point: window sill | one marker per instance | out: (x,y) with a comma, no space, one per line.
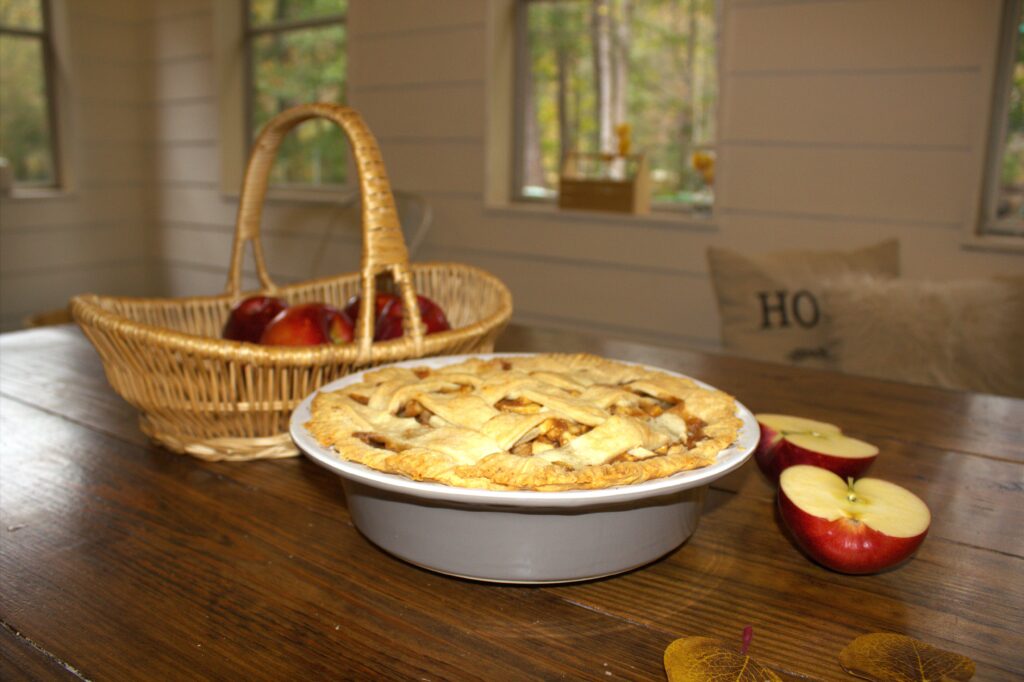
(663,218)
(36,194)
(992,242)
(342,195)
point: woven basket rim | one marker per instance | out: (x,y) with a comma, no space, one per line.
(89,306)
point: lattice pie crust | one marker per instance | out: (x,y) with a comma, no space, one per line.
(541,422)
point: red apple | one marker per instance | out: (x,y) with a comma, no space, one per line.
(308,324)
(851,526)
(389,324)
(250,316)
(787,441)
(382,299)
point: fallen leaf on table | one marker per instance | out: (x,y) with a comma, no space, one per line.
(884,656)
(702,659)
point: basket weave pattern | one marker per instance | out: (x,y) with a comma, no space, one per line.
(226,400)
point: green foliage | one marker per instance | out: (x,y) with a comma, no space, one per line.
(27,14)
(25,136)
(671,91)
(1011,180)
(294,67)
(262,12)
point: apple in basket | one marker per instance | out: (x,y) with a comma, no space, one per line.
(389,324)
(786,441)
(851,526)
(250,316)
(308,324)
(352,307)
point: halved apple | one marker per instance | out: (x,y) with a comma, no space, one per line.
(787,441)
(851,526)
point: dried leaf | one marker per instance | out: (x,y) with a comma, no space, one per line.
(702,659)
(888,657)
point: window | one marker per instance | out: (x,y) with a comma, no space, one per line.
(28,140)
(1003,212)
(295,54)
(586,67)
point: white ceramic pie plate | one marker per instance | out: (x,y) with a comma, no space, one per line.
(522,536)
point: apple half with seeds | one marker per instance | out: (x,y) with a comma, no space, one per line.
(855,527)
(787,441)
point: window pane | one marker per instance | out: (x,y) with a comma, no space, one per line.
(25,139)
(21,14)
(298,67)
(269,12)
(594,64)
(1011,182)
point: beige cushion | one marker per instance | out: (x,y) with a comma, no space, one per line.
(769,304)
(965,334)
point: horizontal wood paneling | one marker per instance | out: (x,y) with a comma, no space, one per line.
(184,79)
(661,303)
(195,205)
(115,12)
(107,39)
(45,290)
(185,279)
(861,35)
(892,185)
(111,83)
(183,36)
(887,109)
(27,252)
(112,123)
(188,163)
(92,205)
(190,121)
(442,111)
(452,55)
(435,166)
(926,251)
(118,163)
(369,19)
(463,223)
(163,9)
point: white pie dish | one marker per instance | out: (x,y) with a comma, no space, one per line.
(522,536)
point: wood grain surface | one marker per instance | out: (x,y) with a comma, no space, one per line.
(121,560)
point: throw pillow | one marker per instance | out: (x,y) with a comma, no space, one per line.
(770,305)
(963,334)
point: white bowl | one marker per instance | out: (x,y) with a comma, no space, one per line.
(522,536)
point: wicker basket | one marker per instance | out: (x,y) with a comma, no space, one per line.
(227,400)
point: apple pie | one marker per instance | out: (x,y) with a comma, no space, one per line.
(537,422)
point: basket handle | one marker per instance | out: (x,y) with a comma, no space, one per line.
(383,245)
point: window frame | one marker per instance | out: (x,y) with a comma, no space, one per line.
(989,227)
(45,35)
(232,60)
(518,121)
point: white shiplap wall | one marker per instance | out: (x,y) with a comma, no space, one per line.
(843,122)
(94,236)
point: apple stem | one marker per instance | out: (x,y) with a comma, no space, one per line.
(748,636)
(851,496)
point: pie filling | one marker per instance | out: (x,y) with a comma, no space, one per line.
(545,422)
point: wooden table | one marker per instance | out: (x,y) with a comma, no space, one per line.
(124,561)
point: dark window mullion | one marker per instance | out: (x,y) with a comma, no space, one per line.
(26,32)
(49,59)
(332,20)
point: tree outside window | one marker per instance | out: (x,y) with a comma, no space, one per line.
(1004,210)
(588,66)
(296,55)
(27,138)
